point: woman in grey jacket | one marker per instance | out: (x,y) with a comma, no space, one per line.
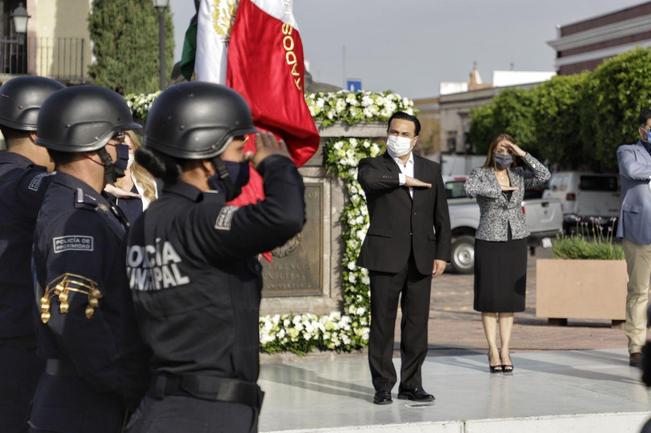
(501,240)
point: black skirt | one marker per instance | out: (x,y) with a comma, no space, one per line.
(500,276)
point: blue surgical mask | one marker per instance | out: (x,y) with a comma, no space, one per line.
(503,161)
(648,136)
(230,183)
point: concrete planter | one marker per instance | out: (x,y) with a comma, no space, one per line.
(581,289)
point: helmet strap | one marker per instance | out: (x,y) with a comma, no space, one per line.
(224,177)
(110,173)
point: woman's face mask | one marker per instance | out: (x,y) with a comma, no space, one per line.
(503,160)
(230,178)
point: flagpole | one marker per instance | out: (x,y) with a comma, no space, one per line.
(343,65)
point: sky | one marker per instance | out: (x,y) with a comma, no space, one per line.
(410,46)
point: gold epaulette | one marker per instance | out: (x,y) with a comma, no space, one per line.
(61,287)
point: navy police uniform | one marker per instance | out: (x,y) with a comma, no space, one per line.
(196,286)
(22,183)
(96,362)
(21,192)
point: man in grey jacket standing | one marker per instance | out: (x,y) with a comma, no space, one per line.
(635,228)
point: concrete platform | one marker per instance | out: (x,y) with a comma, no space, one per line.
(555,391)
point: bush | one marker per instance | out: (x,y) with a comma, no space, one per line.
(125,44)
(590,243)
(576,120)
(556,106)
(613,96)
(511,112)
(580,248)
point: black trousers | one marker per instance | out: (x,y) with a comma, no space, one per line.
(413,289)
(180,414)
(68,404)
(20,370)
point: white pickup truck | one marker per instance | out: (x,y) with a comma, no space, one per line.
(544,220)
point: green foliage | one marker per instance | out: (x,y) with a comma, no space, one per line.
(125,38)
(557,103)
(580,248)
(572,120)
(613,96)
(591,242)
(511,112)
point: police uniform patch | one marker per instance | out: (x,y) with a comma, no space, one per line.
(73,243)
(36,181)
(225,218)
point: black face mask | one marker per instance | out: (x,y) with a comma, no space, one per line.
(123,159)
(113,170)
(230,178)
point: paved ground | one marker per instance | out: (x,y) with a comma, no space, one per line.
(568,387)
(455,325)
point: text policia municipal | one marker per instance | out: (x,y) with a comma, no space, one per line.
(154,267)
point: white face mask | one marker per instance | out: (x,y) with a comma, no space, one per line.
(398,146)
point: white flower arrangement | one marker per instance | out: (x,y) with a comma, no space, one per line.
(349,329)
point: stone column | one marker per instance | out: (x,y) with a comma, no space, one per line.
(305,275)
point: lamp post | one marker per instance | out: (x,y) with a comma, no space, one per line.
(160,6)
(20,17)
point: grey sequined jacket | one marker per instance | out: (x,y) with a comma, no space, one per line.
(497,213)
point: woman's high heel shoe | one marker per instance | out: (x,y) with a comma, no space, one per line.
(494,368)
(507,368)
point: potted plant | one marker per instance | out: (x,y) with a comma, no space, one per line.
(586,279)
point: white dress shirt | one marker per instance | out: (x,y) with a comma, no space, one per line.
(406,169)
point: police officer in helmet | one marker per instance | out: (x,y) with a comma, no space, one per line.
(96,363)
(23,172)
(191,259)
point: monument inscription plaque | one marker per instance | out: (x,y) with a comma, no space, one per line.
(297,267)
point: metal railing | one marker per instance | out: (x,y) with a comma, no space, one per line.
(60,58)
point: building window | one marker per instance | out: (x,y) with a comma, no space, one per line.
(451,141)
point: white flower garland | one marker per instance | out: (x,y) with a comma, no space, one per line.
(347,330)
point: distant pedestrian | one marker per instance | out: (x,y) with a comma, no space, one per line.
(501,240)
(635,228)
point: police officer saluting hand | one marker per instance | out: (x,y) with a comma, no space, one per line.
(192,264)
(22,173)
(96,363)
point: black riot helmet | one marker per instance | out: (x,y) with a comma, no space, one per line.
(196,120)
(82,119)
(21,98)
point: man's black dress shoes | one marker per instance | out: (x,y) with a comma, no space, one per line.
(417,394)
(382,397)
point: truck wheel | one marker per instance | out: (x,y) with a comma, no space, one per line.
(463,254)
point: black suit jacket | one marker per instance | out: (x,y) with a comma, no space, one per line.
(394,215)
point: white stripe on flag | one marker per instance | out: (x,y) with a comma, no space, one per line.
(214,24)
(279,9)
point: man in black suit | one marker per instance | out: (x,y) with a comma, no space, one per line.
(407,243)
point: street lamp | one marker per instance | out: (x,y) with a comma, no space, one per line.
(161,5)
(20,17)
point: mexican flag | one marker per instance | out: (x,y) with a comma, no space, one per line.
(254,47)
(266,66)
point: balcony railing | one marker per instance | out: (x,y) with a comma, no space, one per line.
(64,59)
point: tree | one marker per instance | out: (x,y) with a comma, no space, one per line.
(611,101)
(510,112)
(125,38)
(556,111)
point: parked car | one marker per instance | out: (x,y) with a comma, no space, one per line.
(543,217)
(585,196)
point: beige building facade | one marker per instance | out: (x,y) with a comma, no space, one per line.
(57,42)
